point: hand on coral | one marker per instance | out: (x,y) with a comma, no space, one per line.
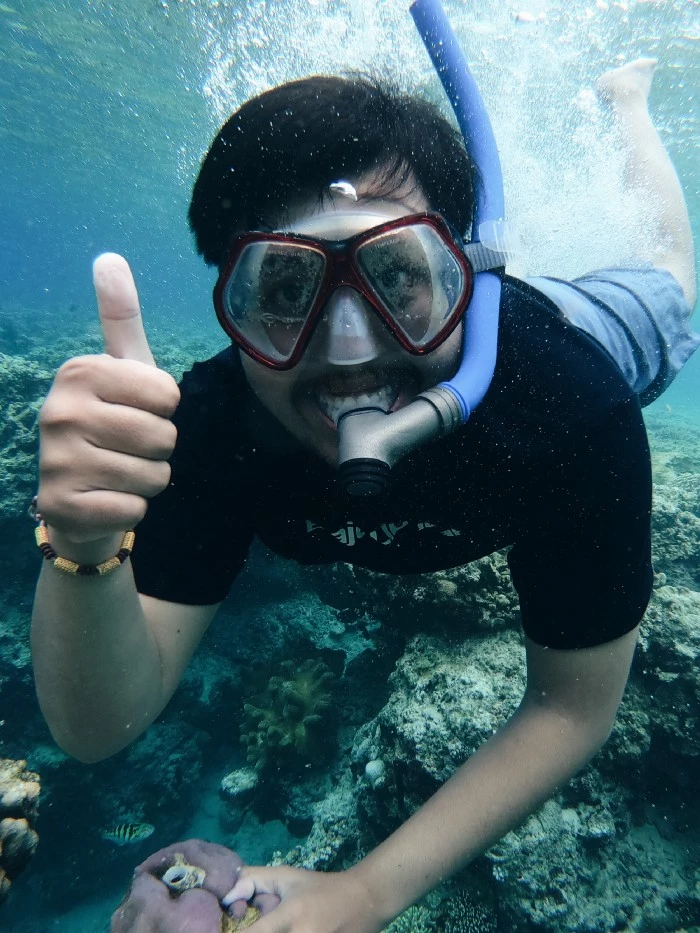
(151,907)
(311,902)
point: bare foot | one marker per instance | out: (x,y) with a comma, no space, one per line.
(627,84)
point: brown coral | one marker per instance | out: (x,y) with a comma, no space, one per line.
(19,799)
(288,717)
(229,925)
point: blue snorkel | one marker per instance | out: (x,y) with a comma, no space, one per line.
(370,440)
(479,345)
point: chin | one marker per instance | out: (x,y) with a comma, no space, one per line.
(323,445)
(316,432)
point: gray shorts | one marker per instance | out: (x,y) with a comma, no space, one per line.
(638,315)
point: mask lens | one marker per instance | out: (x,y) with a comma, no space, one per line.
(415,277)
(270,293)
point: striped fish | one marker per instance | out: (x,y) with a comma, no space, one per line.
(124,833)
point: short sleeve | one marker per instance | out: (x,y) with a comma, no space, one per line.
(582,567)
(196,533)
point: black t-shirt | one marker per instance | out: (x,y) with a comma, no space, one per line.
(554,462)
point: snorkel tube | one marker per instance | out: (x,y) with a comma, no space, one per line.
(371,441)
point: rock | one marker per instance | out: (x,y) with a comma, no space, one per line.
(239,785)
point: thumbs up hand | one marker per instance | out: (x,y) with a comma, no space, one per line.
(105,427)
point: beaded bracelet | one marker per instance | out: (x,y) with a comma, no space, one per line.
(41,533)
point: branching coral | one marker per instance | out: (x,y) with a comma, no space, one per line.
(413,920)
(287,718)
(465,915)
(460,913)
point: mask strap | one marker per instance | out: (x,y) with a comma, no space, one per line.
(498,245)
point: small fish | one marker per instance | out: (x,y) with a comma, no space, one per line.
(345,188)
(125,833)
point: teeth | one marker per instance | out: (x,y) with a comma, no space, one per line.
(334,406)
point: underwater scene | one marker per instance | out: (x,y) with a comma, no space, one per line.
(328,702)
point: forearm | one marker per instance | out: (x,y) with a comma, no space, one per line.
(508,778)
(96,665)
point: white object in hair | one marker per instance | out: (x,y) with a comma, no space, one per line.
(344,188)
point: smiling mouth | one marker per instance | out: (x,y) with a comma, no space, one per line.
(334,405)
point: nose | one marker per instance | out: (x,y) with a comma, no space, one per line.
(347,329)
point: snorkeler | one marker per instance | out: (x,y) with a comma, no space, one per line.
(336,212)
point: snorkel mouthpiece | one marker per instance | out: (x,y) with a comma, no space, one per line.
(372,441)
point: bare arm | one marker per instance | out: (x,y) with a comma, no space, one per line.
(650,169)
(566,715)
(106,660)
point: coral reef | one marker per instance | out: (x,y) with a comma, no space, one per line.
(414,920)
(23,385)
(667,664)
(15,659)
(169,757)
(476,598)
(613,822)
(446,701)
(616,849)
(19,809)
(286,720)
(447,910)
(676,514)
(155,780)
(337,838)
(465,914)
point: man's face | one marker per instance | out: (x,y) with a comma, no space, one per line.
(330,378)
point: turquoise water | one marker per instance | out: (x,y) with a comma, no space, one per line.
(107,109)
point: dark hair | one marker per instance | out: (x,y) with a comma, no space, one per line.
(292,141)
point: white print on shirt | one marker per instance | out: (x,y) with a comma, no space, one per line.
(350,533)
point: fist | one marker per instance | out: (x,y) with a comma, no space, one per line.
(105,428)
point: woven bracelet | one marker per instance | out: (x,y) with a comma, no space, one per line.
(41,533)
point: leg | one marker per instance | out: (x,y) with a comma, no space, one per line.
(649,167)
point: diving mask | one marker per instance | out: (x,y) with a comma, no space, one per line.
(411,272)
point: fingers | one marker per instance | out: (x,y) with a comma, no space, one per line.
(123,429)
(123,382)
(266,885)
(110,493)
(120,313)
(243,890)
(271,880)
(106,437)
(105,429)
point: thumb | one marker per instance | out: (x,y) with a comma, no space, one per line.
(120,314)
(263,886)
